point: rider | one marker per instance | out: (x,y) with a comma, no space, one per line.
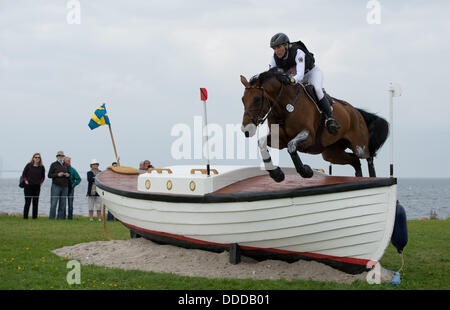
(295,59)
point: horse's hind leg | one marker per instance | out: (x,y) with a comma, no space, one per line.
(275,172)
(371,167)
(336,154)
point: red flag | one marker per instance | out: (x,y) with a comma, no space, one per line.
(203,94)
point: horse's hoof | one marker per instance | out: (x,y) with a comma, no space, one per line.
(307,172)
(277,175)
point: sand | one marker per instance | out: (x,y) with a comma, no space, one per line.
(145,255)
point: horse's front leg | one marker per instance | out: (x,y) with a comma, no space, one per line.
(274,171)
(298,142)
(371,167)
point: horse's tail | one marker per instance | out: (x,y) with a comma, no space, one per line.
(378,131)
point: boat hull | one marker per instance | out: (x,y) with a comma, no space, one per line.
(347,226)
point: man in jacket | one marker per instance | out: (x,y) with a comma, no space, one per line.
(74,180)
(59,174)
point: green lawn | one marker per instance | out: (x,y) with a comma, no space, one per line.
(26,261)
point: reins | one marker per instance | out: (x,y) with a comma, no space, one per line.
(272,103)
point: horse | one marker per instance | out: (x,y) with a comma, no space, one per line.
(301,129)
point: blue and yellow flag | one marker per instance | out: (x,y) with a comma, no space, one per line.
(99,118)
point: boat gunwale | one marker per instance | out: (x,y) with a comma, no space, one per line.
(251,196)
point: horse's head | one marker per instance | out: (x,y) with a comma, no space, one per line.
(258,99)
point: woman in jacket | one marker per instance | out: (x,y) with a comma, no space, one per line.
(33,175)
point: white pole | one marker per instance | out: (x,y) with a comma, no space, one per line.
(205,130)
(395,90)
(391,131)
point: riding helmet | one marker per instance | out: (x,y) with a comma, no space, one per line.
(278,39)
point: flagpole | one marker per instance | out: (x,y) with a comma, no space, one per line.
(204,97)
(100,118)
(395,90)
(207,144)
(391,129)
(114,145)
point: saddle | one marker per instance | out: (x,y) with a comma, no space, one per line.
(311,93)
(309,89)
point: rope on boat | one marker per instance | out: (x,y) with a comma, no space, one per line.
(403,263)
(396,275)
(104,223)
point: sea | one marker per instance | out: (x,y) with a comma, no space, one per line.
(421,198)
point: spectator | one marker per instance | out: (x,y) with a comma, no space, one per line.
(59,174)
(74,180)
(33,175)
(94,200)
(141,166)
(110,217)
(147,164)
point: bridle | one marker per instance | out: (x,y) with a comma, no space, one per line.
(259,118)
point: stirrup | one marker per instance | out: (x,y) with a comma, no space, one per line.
(332,125)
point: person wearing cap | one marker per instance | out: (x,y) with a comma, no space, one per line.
(60,175)
(94,200)
(295,59)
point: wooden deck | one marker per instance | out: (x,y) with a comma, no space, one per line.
(255,184)
(124,182)
(265,183)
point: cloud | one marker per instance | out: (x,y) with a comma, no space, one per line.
(147,60)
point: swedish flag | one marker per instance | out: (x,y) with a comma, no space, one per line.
(99,118)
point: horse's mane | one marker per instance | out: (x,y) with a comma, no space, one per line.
(263,77)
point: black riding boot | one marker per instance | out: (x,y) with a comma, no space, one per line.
(331,124)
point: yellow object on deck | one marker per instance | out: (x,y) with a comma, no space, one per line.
(124,170)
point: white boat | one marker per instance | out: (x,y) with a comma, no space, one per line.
(345,222)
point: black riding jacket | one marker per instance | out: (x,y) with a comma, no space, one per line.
(288,62)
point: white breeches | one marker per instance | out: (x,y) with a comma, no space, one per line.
(315,77)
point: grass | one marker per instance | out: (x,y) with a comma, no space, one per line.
(26,261)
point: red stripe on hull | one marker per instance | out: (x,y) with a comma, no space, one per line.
(349,260)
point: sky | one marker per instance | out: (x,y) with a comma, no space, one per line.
(146,60)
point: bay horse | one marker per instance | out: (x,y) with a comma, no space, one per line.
(301,128)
